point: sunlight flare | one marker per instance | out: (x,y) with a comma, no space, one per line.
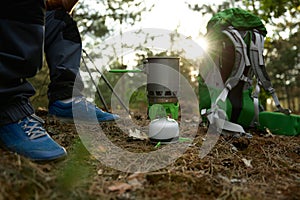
(202,42)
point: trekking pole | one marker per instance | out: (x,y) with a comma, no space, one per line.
(107,83)
(93,81)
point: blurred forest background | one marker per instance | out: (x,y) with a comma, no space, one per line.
(98,20)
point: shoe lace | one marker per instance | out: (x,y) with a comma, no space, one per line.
(32,126)
(85,101)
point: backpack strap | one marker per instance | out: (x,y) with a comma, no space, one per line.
(241,60)
(258,66)
(216,115)
(255,96)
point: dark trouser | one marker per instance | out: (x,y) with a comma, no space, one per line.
(21,52)
(63,53)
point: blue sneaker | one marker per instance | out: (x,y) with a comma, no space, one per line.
(28,138)
(85,111)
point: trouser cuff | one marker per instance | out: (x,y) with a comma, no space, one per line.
(15,112)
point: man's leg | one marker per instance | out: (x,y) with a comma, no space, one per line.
(63,50)
(21,50)
(63,54)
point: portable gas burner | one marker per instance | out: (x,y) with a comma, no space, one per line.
(163,84)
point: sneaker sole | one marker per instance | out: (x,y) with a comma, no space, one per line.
(71,121)
(53,159)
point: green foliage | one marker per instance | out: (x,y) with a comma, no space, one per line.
(139,99)
(75,171)
(211,9)
(268,9)
(99,18)
(40,83)
(104,89)
(283,63)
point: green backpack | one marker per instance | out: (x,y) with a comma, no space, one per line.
(237,42)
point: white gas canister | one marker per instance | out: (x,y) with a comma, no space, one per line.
(164,130)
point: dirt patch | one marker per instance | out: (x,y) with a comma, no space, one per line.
(263,167)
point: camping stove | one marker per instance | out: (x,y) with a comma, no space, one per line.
(163,84)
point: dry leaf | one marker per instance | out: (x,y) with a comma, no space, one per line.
(247,162)
(137,134)
(120,187)
(135,183)
(136,180)
(100,172)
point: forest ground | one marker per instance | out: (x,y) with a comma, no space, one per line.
(263,167)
